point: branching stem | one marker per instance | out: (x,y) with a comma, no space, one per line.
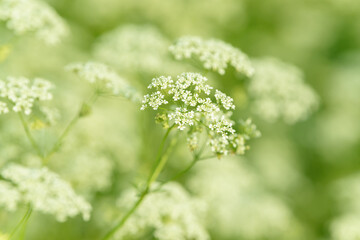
(159,166)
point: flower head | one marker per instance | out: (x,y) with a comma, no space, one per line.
(45,191)
(103,78)
(214,54)
(187,103)
(279,91)
(23,16)
(21,94)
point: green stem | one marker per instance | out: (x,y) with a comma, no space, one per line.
(184,171)
(23,229)
(197,158)
(29,136)
(66,131)
(58,143)
(24,219)
(160,163)
(46,158)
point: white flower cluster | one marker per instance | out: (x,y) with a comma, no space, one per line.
(103,78)
(249,129)
(133,48)
(10,196)
(279,91)
(23,16)
(239,206)
(46,192)
(189,106)
(215,55)
(20,94)
(171,212)
(347,225)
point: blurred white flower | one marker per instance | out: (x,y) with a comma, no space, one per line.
(3,108)
(338,126)
(22,94)
(134,48)
(214,54)
(23,16)
(279,92)
(10,196)
(87,164)
(46,192)
(170,211)
(239,206)
(346,227)
(103,78)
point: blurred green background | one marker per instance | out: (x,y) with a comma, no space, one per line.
(310,169)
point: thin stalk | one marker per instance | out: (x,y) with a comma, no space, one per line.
(183,172)
(29,136)
(66,131)
(23,219)
(197,158)
(160,163)
(45,159)
(59,141)
(23,229)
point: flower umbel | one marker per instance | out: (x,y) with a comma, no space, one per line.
(279,91)
(20,95)
(23,16)
(188,103)
(214,54)
(103,78)
(45,191)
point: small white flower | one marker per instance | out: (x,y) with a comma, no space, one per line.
(226,101)
(155,100)
(182,118)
